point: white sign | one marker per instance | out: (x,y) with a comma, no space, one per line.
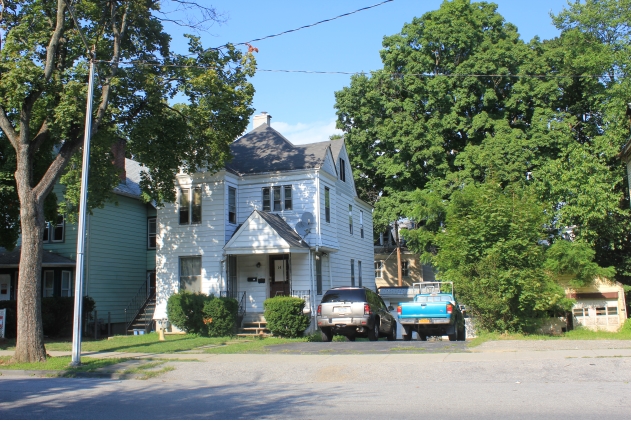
(3,318)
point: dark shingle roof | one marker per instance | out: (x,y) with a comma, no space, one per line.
(131,186)
(49,259)
(283,229)
(265,150)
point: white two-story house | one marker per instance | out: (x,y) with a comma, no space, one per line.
(279,219)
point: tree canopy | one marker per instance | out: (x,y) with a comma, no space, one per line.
(44,62)
(466,118)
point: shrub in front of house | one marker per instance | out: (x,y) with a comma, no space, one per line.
(285,316)
(186,312)
(57,315)
(220,315)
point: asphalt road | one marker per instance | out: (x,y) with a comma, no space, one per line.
(508,381)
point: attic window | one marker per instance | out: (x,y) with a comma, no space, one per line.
(342,170)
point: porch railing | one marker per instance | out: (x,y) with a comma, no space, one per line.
(305,294)
(237,295)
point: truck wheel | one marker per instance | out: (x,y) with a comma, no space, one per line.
(453,336)
(373,334)
(462,336)
(422,337)
(392,336)
(326,334)
(407,333)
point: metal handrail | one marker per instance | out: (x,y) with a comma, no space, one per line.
(237,295)
(136,304)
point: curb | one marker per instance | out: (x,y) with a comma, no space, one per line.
(66,374)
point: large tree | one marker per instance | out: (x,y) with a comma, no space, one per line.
(44,60)
(462,104)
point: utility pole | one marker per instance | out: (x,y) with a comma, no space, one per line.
(78,287)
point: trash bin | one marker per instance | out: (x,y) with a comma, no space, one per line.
(139,332)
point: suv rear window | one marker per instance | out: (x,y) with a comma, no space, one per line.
(342,295)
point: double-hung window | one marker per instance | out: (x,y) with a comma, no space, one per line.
(352,272)
(350,218)
(54,232)
(378,268)
(151,233)
(66,283)
(191,273)
(277,198)
(405,268)
(49,283)
(232,205)
(342,170)
(361,223)
(327,205)
(191,206)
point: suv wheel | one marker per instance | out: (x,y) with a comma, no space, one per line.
(392,336)
(327,335)
(373,334)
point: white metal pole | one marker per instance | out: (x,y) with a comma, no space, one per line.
(78,289)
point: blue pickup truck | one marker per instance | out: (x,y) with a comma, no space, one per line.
(434,312)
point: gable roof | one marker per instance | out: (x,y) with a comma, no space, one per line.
(11,259)
(265,150)
(264,232)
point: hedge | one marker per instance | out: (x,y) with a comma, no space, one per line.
(202,314)
(285,316)
(57,315)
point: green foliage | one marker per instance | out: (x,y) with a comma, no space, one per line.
(285,316)
(57,315)
(220,315)
(574,262)
(186,312)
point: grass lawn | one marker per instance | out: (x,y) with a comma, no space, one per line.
(576,334)
(61,364)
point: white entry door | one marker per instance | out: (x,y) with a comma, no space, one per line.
(279,271)
(5,287)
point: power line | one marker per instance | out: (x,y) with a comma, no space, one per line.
(306,26)
(324,72)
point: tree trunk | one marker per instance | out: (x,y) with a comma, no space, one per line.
(29,345)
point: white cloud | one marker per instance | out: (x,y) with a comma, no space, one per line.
(301,133)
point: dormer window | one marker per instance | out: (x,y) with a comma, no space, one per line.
(342,170)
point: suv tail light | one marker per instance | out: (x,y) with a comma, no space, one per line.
(399,310)
(450,308)
(320,310)
(366,309)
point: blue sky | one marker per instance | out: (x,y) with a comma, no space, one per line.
(302,105)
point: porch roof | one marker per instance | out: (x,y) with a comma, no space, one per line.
(11,259)
(264,233)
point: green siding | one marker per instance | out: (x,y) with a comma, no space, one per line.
(117,258)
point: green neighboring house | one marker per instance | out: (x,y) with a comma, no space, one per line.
(120,255)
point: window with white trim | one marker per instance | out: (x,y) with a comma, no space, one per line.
(277,198)
(405,268)
(350,218)
(352,272)
(49,283)
(151,233)
(191,273)
(327,205)
(232,205)
(66,283)
(54,232)
(378,268)
(342,170)
(190,206)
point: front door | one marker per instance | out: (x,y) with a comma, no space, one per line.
(280,277)
(5,287)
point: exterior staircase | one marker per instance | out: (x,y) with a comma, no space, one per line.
(253,325)
(144,320)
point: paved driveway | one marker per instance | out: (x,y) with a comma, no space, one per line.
(367,347)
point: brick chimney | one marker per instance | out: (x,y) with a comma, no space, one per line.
(263,118)
(118,153)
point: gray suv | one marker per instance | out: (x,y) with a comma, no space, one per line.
(355,312)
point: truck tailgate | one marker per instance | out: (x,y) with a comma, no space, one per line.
(424,310)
